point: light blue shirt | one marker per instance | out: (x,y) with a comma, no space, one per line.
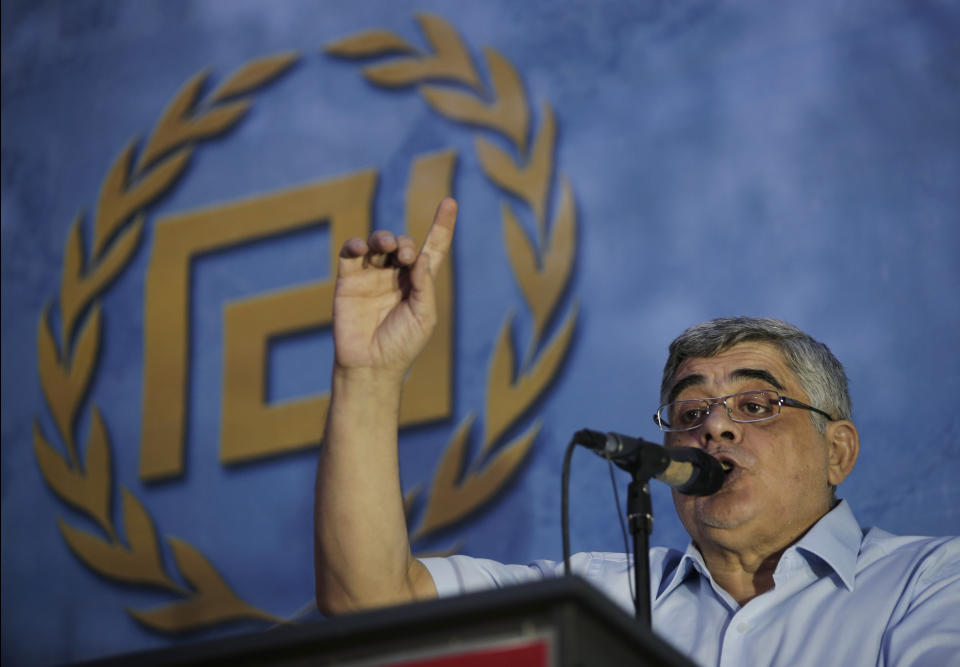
(841,596)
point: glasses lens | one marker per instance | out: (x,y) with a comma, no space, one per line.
(754,406)
(683,415)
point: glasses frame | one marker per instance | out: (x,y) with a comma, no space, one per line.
(722,400)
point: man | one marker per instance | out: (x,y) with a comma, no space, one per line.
(777,572)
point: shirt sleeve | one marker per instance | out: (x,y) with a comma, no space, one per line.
(929,632)
(609,572)
(463,574)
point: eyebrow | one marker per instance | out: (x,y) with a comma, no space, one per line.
(683,383)
(739,374)
(757,374)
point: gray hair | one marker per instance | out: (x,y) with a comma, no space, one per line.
(819,373)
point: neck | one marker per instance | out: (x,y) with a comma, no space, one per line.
(745,569)
(744,575)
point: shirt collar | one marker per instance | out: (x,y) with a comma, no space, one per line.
(691,561)
(834,539)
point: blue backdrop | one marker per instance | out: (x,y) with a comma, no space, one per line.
(792,160)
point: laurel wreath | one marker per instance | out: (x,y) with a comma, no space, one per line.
(81,475)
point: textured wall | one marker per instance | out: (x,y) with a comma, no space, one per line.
(794,160)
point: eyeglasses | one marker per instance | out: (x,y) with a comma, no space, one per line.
(744,407)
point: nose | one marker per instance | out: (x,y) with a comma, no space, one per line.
(718,426)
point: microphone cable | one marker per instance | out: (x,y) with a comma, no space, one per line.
(565,505)
(623,530)
(565,511)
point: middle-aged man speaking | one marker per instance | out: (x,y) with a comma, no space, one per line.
(778,571)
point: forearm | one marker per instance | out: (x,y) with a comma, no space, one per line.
(362,550)
(384,309)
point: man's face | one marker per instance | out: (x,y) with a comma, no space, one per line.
(779,483)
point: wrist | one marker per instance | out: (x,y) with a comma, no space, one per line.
(371,383)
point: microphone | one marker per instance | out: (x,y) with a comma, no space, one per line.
(689,470)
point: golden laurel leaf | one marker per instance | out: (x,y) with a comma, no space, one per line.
(530,182)
(507,113)
(119,200)
(64,384)
(213,603)
(508,396)
(177,126)
(253,75)
(542,269)
(170,123)
(97,471)
(72,484)
(78,289)
(450,500)
(66,370)
(451,60)
(111,559)
(142,536)
(542,286)
(139,564)
(368,44)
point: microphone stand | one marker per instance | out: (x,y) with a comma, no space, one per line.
(642,469)
(640,518)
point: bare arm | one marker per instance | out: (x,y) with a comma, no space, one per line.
(383,314)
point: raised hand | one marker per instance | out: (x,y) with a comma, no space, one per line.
(384,306)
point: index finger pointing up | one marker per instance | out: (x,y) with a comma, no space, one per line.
(440,234)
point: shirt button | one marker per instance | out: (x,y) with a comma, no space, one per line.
(742,627)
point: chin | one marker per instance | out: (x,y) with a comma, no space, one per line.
(721,511)
(720,520)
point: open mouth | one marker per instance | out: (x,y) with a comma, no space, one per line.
(728,465)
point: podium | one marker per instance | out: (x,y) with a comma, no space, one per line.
(557,623)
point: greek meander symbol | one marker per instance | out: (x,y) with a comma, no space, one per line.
(542,267)
(250,427)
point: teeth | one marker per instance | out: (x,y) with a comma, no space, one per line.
(726,466)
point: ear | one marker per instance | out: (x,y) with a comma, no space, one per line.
(844,447)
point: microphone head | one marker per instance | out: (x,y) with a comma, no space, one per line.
(707,477)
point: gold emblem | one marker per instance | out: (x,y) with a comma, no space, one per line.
(252,429)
